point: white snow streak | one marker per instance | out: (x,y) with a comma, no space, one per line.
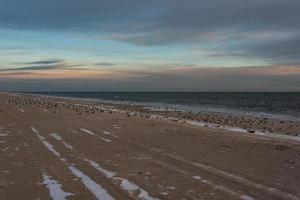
(58,137)
(55,189)
(92,186)
(88,131)
(126,185)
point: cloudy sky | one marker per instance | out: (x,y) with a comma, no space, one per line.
(150,45)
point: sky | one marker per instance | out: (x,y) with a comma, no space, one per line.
(150,45)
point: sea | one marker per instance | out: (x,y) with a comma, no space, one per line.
(275,105)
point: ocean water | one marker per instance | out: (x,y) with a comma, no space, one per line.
(264,104)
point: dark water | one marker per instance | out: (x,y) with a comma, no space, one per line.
(270,104)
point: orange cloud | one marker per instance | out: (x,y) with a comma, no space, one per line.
(124,74)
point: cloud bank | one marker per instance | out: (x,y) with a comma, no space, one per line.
(180,79)
(267,29)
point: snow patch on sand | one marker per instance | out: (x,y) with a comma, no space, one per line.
(5,149)
(245,197)
(91,133)
(197,177)
(105,172)
(110,134)
(58,137)
(88,131)
(47,144)
(99,192)
(210,183)
(50,148)
(105,139)
(35,131)
(92,186)
(126,185)
(25,144)
(130,187)
(106,132)
(116,126)
(55,189)
(245,131)
(73,131)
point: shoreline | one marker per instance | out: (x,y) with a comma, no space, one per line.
(259,126)
(203,109)
(130,153)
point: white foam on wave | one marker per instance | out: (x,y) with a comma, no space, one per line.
(55,189)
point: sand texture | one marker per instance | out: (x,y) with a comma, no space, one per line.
(67,149)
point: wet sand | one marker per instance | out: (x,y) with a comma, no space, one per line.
(69,149)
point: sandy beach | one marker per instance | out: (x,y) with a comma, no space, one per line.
(54,148)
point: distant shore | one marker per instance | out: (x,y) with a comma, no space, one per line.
(271,105)
(91,150)
(240,123)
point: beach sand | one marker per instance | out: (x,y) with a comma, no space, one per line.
(54,148)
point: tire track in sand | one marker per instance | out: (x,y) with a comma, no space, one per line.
(246,183)
(96,189)
(132,189)
(184,171)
